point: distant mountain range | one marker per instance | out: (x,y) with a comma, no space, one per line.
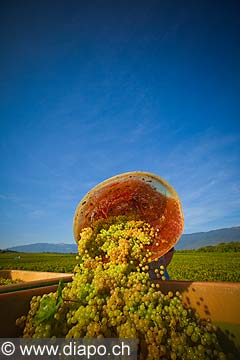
(213,237)
(187,242)
(45,247)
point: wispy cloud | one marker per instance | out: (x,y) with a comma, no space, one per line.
(206,176)
(9,197)
(37,214)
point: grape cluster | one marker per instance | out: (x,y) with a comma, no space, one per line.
(4,281)
(111,295)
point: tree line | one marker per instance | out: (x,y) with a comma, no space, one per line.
(233,246)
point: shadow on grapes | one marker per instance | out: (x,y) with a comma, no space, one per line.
(228,340)
(211,301)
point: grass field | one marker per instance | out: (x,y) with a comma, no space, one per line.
(197,266)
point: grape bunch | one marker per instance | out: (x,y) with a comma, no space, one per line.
(112,296)
(4,281)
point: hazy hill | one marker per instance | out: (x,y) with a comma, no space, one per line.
(46,247)
(213,237)
(187,242)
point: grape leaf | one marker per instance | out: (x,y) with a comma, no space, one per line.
(49,306)
(59,292)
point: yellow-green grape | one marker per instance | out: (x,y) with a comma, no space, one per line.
(116,298)
(4,281)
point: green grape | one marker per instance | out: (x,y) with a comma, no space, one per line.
(116,298)
(4,281)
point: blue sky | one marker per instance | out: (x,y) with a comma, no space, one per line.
(91,89)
